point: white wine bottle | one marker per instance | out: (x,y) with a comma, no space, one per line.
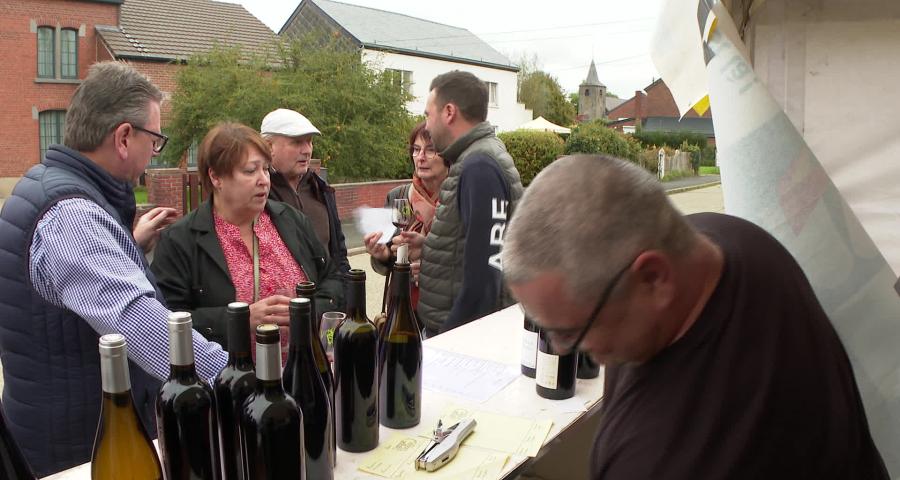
(122,449)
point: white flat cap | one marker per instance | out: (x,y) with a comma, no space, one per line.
(288,123)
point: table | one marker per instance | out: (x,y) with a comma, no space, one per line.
(496,337)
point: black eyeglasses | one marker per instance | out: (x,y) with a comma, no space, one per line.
(159,143)
(560,343)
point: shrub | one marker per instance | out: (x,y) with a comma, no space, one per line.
(595,138)
(532,150)
(694,150)
(708,156)
(670,139)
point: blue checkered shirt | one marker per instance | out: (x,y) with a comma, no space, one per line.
(83,260)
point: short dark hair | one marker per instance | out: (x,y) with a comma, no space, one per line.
(223,149)
(465,91)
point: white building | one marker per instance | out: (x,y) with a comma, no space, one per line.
(416,50)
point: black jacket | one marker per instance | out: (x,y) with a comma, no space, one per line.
(337,247)
(193,275)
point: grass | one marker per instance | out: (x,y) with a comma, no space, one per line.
(140,195)
(676,175)
(709,170)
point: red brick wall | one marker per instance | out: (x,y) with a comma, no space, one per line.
(350,196)
(165,188)
(19,93)
(164,76)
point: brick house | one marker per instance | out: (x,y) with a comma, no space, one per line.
(654,109)
(56,41)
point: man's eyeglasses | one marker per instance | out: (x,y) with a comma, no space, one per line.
(159,142)
(561,339)
(430,152)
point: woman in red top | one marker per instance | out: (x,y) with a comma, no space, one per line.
(238,245)
(429,171)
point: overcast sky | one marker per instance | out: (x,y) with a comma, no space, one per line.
(564,34)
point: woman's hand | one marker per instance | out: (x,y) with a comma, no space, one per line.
(146,231)
(272,309)
(415,240)
(378,251)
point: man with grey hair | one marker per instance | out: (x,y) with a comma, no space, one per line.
(71,270)
(720,361)
(290,134)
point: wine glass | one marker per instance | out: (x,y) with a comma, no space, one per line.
(401,213)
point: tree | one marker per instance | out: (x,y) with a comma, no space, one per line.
(573,99)
(361,114)
(542,93)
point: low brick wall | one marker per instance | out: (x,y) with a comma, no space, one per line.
(165,188)
(350,196)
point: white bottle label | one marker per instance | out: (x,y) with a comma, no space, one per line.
(529,348)
(547,370)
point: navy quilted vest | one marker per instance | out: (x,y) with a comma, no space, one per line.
(51,366)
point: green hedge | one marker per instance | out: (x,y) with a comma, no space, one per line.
(532,150)
(595,138)
(669,139)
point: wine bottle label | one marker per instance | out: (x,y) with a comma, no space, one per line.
(529,348)
(547,370)
(268,361)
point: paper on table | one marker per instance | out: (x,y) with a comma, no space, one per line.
(472,378)
(518,435)
(395,458)
(370,220)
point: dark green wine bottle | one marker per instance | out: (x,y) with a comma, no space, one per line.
(356,379)
(400,355)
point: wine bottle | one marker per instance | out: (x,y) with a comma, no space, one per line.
(308,290)
(355,378)
(309,392)
(554,374)
(529,347)
(587,368)
(400,354)
(12,462)
(233,385)
(271,422)
(185,414)
(122,449)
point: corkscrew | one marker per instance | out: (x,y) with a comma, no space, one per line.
(444,445)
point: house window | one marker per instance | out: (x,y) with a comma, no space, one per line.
(57,53)
(52,127)
(46,52)
(401,79)
(587,93)
(192,156)
(492,93)
(68,58)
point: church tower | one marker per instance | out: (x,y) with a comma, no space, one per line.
(591,97)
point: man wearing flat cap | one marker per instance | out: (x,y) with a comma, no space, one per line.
(290,135)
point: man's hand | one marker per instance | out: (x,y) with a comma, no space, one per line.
(378,251)
(146,232)
(415,240)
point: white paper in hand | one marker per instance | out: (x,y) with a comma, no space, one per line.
(370,220)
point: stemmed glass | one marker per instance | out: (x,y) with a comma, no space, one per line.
(401,213)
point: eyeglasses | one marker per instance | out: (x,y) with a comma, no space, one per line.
(561,340)
(159,143)
(430,152)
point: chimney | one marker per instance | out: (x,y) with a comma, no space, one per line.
(638,109)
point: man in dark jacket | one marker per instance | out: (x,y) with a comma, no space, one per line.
(290,135)
(460,278)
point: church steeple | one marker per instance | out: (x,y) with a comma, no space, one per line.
(591,97)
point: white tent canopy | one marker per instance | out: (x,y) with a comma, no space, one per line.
(543,125)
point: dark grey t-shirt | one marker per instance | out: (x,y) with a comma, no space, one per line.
(760,387)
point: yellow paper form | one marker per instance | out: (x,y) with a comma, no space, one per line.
(396,458)
(518,435)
